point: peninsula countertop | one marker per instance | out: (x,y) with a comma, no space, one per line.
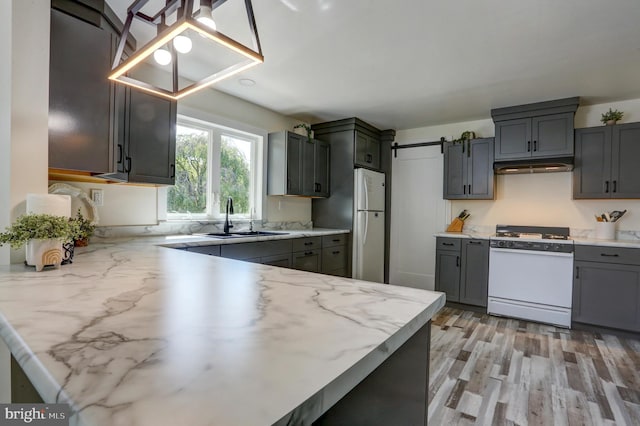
(139,334)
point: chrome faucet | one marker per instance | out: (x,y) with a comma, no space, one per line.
(227,223)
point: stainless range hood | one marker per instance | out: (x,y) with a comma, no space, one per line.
(537,165)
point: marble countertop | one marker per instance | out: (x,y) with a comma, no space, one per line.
(134,333)
(610,243)
(473,235)
(181,241)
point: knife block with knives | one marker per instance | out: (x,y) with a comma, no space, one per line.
(458,222)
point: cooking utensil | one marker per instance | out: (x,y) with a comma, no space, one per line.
(606,215)
(604,218)
(598,218)
(621,214)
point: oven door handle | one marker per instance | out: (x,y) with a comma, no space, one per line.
(530,252)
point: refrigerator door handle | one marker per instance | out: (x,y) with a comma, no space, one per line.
(366,228)
(366,193)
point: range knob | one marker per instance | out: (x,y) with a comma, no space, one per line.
(547,247)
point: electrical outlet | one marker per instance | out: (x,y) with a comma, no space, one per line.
(97,195)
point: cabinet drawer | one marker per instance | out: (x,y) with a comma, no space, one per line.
(309,243)
(308,260)
(334,240)
(621,255)
(258,249)
(333,258)
(443,243)
(281,260)
(210,250)
(340,272)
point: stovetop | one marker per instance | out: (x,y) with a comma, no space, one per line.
(535,238)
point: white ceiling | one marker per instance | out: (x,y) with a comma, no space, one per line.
(412,63)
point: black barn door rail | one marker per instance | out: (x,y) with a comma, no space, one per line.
(396,147)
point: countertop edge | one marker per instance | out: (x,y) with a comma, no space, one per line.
(462,235)
(199,240)
(323,400)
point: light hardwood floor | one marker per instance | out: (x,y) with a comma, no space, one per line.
(496,371)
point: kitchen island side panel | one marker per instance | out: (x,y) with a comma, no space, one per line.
(394,393)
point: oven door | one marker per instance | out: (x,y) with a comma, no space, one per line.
(536,277)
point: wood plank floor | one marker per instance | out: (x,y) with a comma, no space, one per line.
(488,370)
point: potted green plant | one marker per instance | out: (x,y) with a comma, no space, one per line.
(82,229)
(611,117)
(306,128)
(43,235)
(465,136)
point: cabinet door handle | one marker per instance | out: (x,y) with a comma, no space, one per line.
(336,252)
(308,253)
(127,169)
(535,146)
(615,185)
(606,186)
(464,189)
(369,158)
(477,243)
(308,243)
(337,240)
(448,244)
(458,261)
(577,272)
(119,153)
(528,146)
(469,192)
(609,255)
(173,171)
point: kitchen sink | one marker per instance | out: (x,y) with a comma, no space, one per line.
(241,234)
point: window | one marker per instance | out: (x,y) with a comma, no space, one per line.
(214,163)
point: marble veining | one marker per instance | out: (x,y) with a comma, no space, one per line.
(187,227)
(134,333)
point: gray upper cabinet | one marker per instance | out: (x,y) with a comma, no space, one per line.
(606,287)
(297,166)
(96,126)
(540,130)
(537,137)
(367,151)
(606,162)
(468,170)
(80,126)
(150,141)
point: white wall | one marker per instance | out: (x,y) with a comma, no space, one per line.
(545,199)
(24,108)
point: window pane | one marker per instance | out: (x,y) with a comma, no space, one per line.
(189,195)
(235,173)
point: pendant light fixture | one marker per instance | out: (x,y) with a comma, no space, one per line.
(207,47)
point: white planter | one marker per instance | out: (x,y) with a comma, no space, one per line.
(41,253)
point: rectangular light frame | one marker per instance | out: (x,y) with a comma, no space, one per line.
(183,23)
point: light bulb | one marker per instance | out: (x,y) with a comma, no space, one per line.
(182,44)
(206,18)
(162,56)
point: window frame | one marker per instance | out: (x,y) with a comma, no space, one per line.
(217,128)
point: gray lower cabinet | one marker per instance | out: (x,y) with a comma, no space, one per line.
(327,254)
(462,270)
(309,260)
(606,162)
(468,170)
(474,274)
(606,287)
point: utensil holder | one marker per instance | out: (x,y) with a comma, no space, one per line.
(605,231)
(456,225)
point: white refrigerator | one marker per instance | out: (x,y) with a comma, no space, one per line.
(368,226)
